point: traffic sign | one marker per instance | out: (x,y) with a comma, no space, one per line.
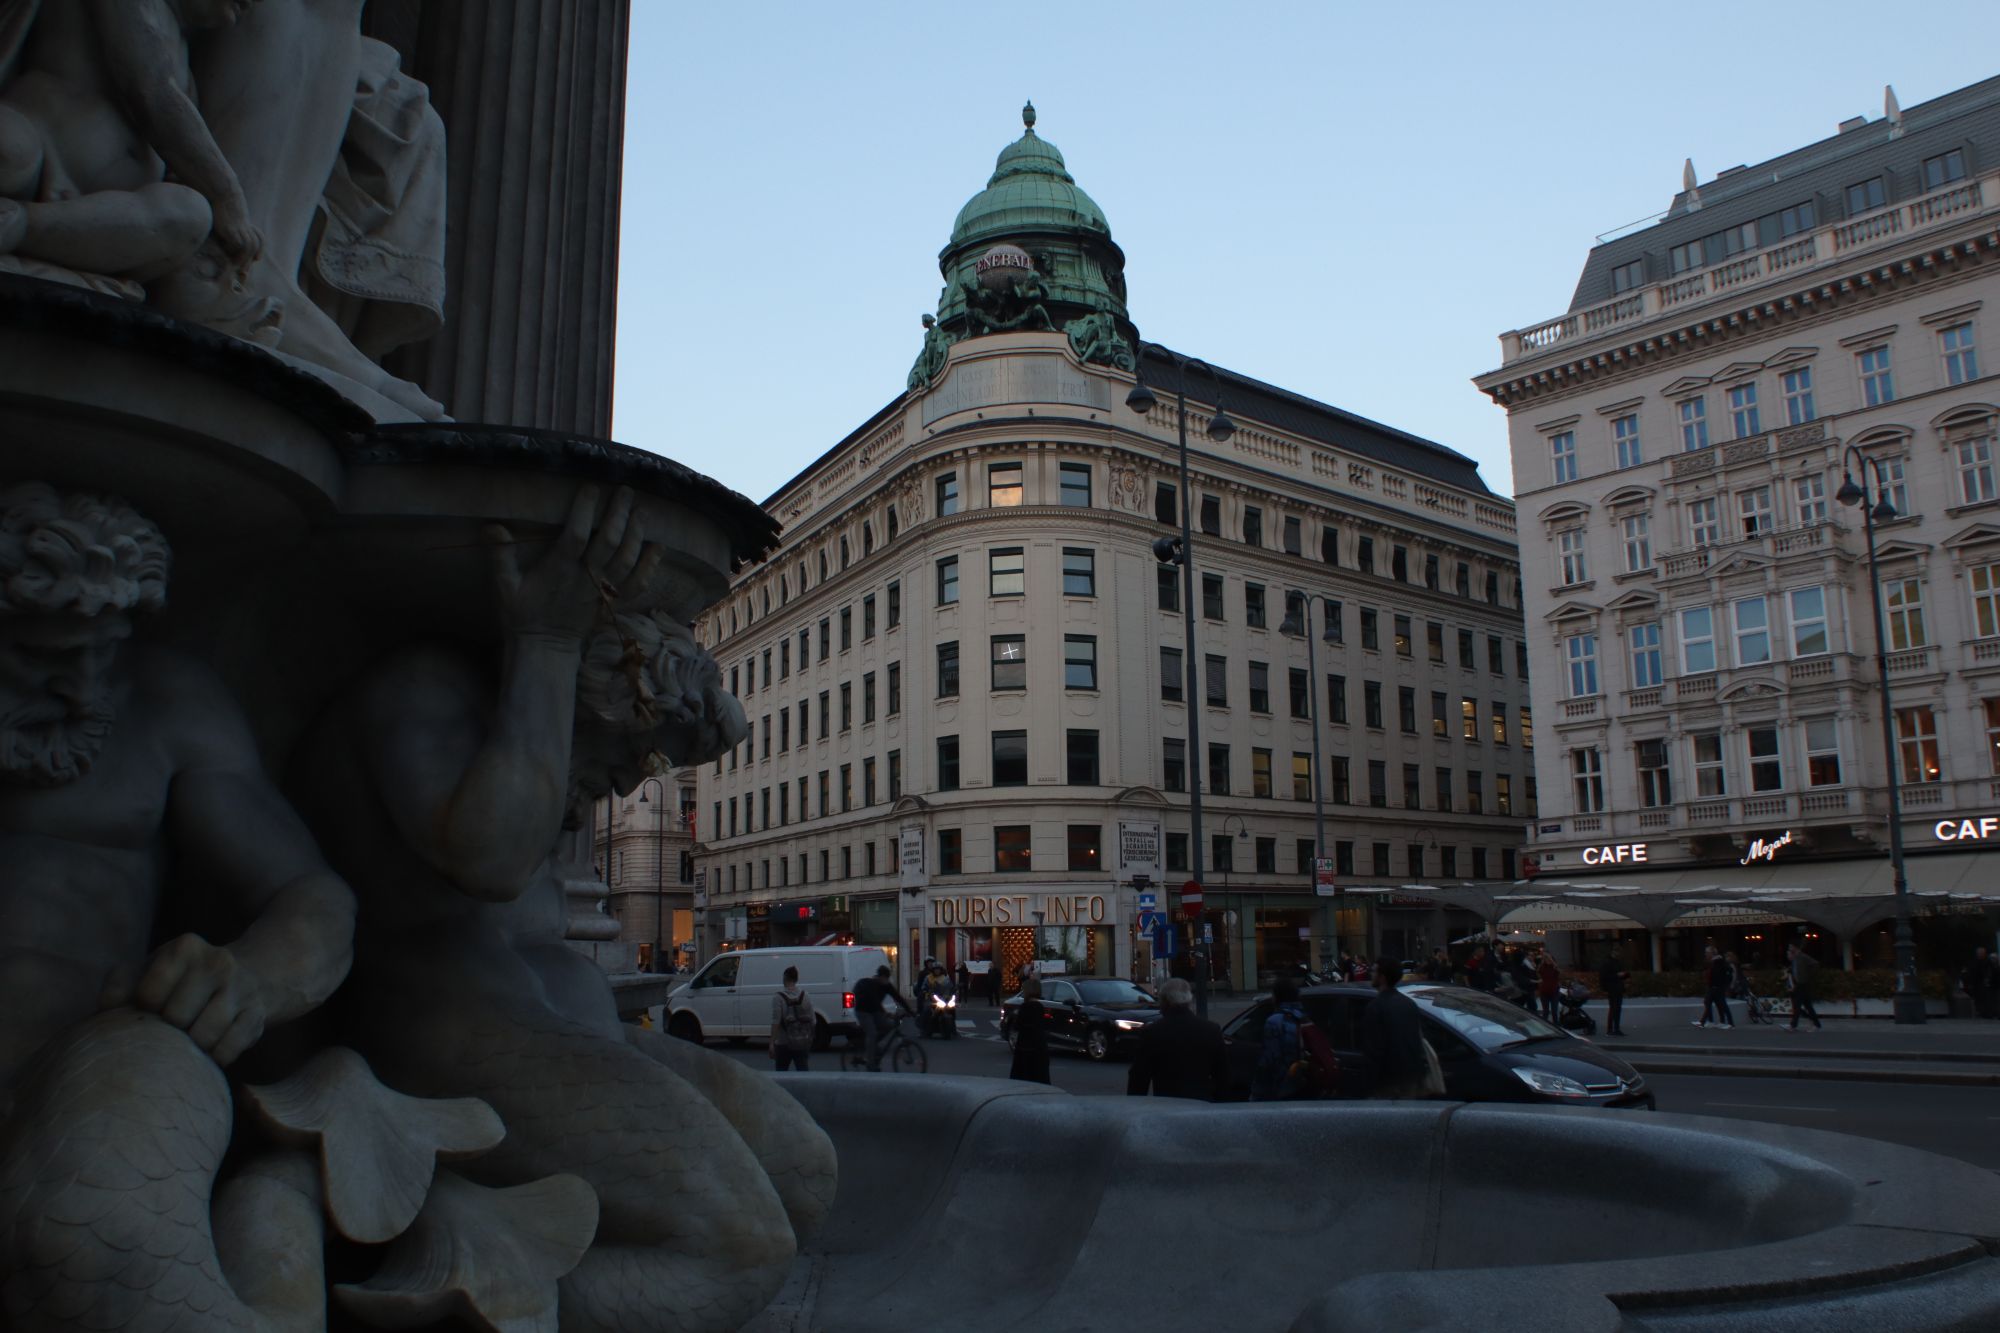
(1148,901)
(1191,899)
(1149,921)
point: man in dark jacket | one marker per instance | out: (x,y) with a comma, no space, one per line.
(1611,980)
(1482,971)
(1181,1055)
(1715,981)
(1798,974)
(1392,1036)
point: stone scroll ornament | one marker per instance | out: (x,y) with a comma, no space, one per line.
(252,165)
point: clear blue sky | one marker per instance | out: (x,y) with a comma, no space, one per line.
(1348,201)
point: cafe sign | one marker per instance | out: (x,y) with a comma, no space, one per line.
(1967,830)
(1020,909)
(1616,854)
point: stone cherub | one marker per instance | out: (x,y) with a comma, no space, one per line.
(106,165)
(443,784)
(122,765)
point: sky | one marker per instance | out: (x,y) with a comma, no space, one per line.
(1351,202)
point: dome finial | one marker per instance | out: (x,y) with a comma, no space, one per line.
(1028,116)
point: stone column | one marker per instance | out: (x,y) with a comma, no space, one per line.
(532,93)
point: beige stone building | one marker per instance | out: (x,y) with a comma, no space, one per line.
(964,672)
(1702,643)
(643,852)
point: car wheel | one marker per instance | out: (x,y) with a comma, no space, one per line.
(822,1034)
(685,1026)
(1097,1044)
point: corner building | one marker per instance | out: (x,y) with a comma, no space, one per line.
(963,667)
(1702,640)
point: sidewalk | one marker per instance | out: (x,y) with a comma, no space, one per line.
(1659,1038)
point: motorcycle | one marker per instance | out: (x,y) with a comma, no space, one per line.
(941,1017)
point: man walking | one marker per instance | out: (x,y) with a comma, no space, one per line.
(1715,977)
(1611,979)
(1392,1036)
(794,1024)
(1798,975)
(1982,983)
(1180,1055)
(1277,1078)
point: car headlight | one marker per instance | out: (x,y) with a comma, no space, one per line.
(1550,1085)
(1129,1024)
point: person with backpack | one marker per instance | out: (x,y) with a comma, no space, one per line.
(794,1024)
(1279,1076)
(1798,979)
(1180,1055)
(1392,1035)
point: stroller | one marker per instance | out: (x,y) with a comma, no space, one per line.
(1571,1015)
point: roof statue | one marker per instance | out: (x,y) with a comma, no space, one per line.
(1688,186)
(1893,110)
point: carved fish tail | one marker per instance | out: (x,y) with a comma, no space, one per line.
(106,1168)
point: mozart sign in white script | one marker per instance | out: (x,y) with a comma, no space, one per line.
(1961,830)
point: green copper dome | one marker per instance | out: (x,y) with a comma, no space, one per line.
(1030,190)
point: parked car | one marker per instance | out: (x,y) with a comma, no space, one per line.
(730,996)
(1490,1050)
(1100,1016)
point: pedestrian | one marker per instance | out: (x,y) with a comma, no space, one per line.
(1611,979)
(1526,983)
(1278,1057)
(1439,968)
(993,985)
(1392,1037)
(1715,985)
(794,1024)
(1548,984)
(870,994)
(1180,1055)
(1981,981)
(1482,970)
(964,978)
(1031,1034)
(1798,978)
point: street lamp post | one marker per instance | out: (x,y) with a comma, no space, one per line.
(659,865)
(1909,1001)
(1180,551)
(1298,620)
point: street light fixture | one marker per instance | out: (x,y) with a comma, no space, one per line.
(1909,1001)
(659,865)
(1298,620)
(1180,551)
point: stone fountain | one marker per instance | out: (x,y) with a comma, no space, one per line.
(304,690)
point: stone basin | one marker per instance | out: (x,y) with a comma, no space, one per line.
(978,1204)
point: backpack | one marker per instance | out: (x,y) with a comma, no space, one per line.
(797,1025)
(1318,1067)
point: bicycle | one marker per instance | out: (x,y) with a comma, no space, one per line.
(901,1053)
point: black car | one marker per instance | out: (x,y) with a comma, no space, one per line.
(1490,1050)
(1100,1016)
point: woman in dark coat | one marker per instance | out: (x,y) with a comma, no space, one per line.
(1031,1035)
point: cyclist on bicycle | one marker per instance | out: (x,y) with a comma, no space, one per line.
(876,1024)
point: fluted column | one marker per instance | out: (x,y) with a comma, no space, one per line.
(532,93)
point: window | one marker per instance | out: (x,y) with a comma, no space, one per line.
(947,763)
(1003,485)
(1371,637)
(1627,276)
(1010,661)
(1013,852)
(1895,486)
(1823,750)
(1975,469)
(1218,770)
(1865,197)
(825,713)
(1085,847)
(1079,662)
(1304,850)
(1211,515)
(1378,783)
(1798,393)
(1406,709)
(1625,440)
(1743,413)
(1177,851)
(1292,537)
(1985,581)
(1364,554)
(1570,546)
(1342,794)
(784,730)
(1336,699)
(1465,649)
(868,616)
(947,582)
(1371,703)
(895,688)
(1468,719)
(1904,600)
(843,553)
(1916,743)
(847,787)
(895,524)
(1440,715)
(1645,644)
(1944,169)
(1753,506)
(1336,624)
(1173,763)
(868,781)
(1253,605)
(1010,758)
(1961,358)
(1767,770)
(1497,715)
(1801,217)
(1302,776)
(1167,585)
(1705,522)
(1878,381)
(1697,641)
(867,697)
(1638,532)
(947,494)
(1434,639)
(1301,692)
(1562,456)
(1080,757)
(1708,773)
(1216,686)
(947,677)
(1211,596)
(1399,564)
(1253,526)
(1166,502)
(1656,783)
(1581,651)
(1475,792)
(1402,631)
(1586,768)
(1503,794)
(825,638)
(785,660)
(1443,784)
(1080,572)
(951,852)
(1221,853)
(867,537)
(1172,676)
(1808,617)
(1073,481)
(1329,544)
(1006,571)
(895,604)
(847,706)
(1992,707)
(1260,773)
(1809,496)
(1694,423)
(1260,687)
(1753,630)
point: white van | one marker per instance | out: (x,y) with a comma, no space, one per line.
(731,995)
